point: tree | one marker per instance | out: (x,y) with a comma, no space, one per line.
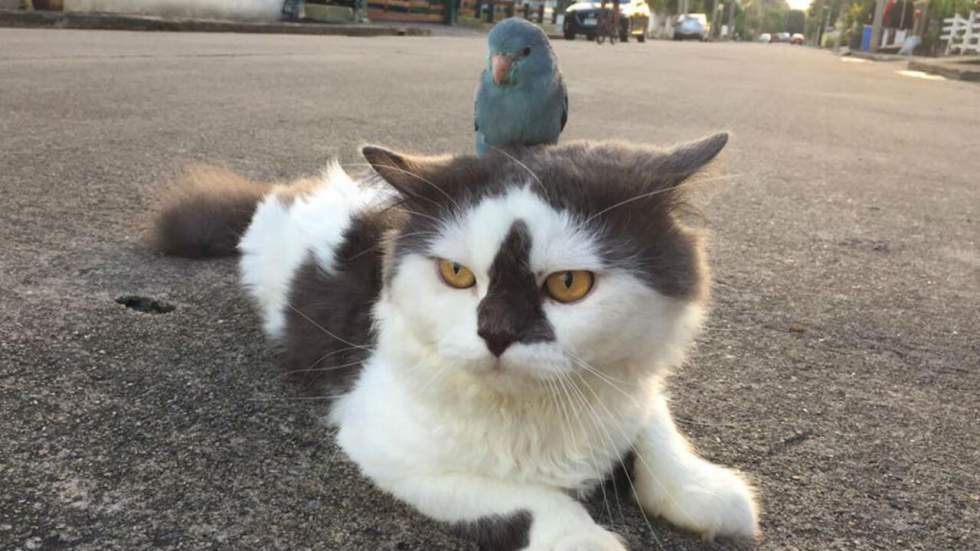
(819,13)
(938,10)
(762,16)
(795,21)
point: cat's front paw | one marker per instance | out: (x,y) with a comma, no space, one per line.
(707,499)
(595,539)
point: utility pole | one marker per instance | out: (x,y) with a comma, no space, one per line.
(731,20)
(715,12)
(876,25)
(823,25)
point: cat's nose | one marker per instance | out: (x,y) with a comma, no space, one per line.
(497,341)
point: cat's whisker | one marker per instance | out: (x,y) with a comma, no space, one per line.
(588,366)
(626,472)
(680,419)
(332,353)
(602,377)
(595,465)
(321,328)
(638,456)
(381,244)
(609,441)
(321,398)
(649,194)
(437,372)
(522,164)
(421,179)
(292,372)
(564,418)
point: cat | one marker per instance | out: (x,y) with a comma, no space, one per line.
(494,331)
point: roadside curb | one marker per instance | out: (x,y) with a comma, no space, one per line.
(876,57)
(949,69)
(553,31)
(100,21)
(954,68)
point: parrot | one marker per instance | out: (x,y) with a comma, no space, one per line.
(521,97)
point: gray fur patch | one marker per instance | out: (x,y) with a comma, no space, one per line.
(627,194)
(498,533)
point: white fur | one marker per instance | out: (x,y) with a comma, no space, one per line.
(281,236)
(686,490)
(436,422)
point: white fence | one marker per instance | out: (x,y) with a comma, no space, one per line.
(962,35)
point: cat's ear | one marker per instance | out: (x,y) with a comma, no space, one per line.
(683,161)
(410,175)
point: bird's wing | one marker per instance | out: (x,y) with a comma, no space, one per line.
(564,102)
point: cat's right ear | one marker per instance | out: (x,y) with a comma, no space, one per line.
(410,175)
(677,164)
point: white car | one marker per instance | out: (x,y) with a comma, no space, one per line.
(765,38)
(691,26)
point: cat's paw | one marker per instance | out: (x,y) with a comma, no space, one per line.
(707,499)
(595,539)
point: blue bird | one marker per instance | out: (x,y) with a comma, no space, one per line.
(521,98)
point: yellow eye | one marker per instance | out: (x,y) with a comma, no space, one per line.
(570,285)
(456,275)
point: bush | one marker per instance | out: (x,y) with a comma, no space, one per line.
(937,11)
(830,39)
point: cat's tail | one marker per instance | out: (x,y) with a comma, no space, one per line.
(204,213)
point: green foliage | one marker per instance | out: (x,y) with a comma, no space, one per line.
(830,39)
(762,16)
(822,13)
(850,16)
(795,21)
(858,14)
(938,10)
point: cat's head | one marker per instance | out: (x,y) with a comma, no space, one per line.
(531,264)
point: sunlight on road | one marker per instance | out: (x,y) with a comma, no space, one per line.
(919,74)
(853,60)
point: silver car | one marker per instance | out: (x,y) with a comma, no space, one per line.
(691,26)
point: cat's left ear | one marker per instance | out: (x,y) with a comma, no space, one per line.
(683,161)
(410,175)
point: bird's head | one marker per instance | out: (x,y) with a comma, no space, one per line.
(519,51)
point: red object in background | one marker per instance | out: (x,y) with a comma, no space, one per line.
(53,5)
(888,7)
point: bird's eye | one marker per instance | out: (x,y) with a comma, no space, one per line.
(526,52)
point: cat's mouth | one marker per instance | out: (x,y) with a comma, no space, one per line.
(502,368)
(519,370)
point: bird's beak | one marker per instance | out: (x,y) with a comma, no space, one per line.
(500,65)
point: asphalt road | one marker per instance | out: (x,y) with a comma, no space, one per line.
(839,368)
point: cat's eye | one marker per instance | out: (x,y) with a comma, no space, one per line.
(456,275)
(570,285)
(526,52)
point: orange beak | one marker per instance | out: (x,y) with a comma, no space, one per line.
(500,65)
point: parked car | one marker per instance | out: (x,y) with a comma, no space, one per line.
(765,37)
(797,39)
(691,26)
(782,37)
(583,18)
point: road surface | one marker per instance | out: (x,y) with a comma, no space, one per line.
(839,368)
